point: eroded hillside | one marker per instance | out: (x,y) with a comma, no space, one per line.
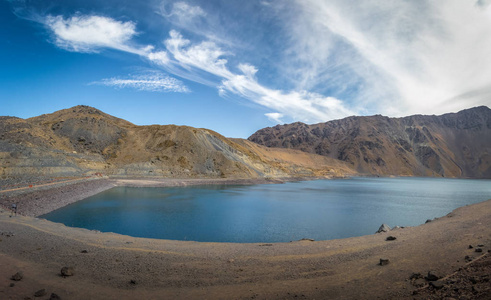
(450,145)
(83,140)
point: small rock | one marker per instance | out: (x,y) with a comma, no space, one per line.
(437,284)
(132,281)
(84,251)
(231,260)
(12,284)
(267,245)
(67,271)
(470,247)
(384,261)
(428,221)
(478,249)
(40,293)
(432,276)
(383,228)
(54,297)
(480,245)
(415,276)
(391,238)
(17,276)
(420,282)
(468,258)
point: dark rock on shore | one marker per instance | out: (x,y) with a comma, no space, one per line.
(432,276)
(391,238)
(54,297)
(17,276)
(67,271)
(437,284)
(383,228)
(40,293)
(384,261)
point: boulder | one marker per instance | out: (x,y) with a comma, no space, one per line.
(383,228)
(432,276)
(17,276)
(420,282)
(67,271)
(437,284)
(40,293)
(54,297)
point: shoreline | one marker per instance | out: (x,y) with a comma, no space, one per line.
(37,201)
(113,266)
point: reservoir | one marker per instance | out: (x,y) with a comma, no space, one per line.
(268,213)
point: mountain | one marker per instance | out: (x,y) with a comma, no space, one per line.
(450,145)
(83,140)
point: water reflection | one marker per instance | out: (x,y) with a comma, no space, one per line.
(321,209)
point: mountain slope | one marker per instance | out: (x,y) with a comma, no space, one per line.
(83,140)
(450,145)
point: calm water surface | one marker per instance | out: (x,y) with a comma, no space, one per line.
(321,209)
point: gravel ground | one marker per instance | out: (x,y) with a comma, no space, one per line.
(112,266)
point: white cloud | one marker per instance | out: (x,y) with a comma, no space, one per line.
(160,57)
(209,58)
(275,117)
(151,82)
(90,33)
(400,57)
(185,12)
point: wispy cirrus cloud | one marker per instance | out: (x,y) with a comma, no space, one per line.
(209,57)
(397,57)
(202,61)
(151,82)
(336,58)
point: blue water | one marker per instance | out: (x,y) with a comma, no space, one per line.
(320,209)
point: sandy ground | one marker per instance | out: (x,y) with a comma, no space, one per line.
(122,267)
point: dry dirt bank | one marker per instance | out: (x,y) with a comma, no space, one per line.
(122,267)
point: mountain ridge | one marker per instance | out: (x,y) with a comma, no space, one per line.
(449,145)
(83,140)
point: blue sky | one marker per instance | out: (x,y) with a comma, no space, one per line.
(238,66)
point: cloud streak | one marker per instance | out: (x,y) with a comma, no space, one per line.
(401,56)
(153,82)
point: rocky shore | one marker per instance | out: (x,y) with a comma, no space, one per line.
(433,261)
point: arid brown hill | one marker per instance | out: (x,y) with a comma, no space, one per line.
(83,140)
(450,145)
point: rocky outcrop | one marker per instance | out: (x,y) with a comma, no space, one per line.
(450,145)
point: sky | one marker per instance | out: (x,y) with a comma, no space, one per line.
(238,66)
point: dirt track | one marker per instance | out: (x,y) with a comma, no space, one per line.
(336,269)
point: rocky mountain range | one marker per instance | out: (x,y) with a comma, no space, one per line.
(82,140)
(450,145)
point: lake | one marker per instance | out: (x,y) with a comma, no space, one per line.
(267,213)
